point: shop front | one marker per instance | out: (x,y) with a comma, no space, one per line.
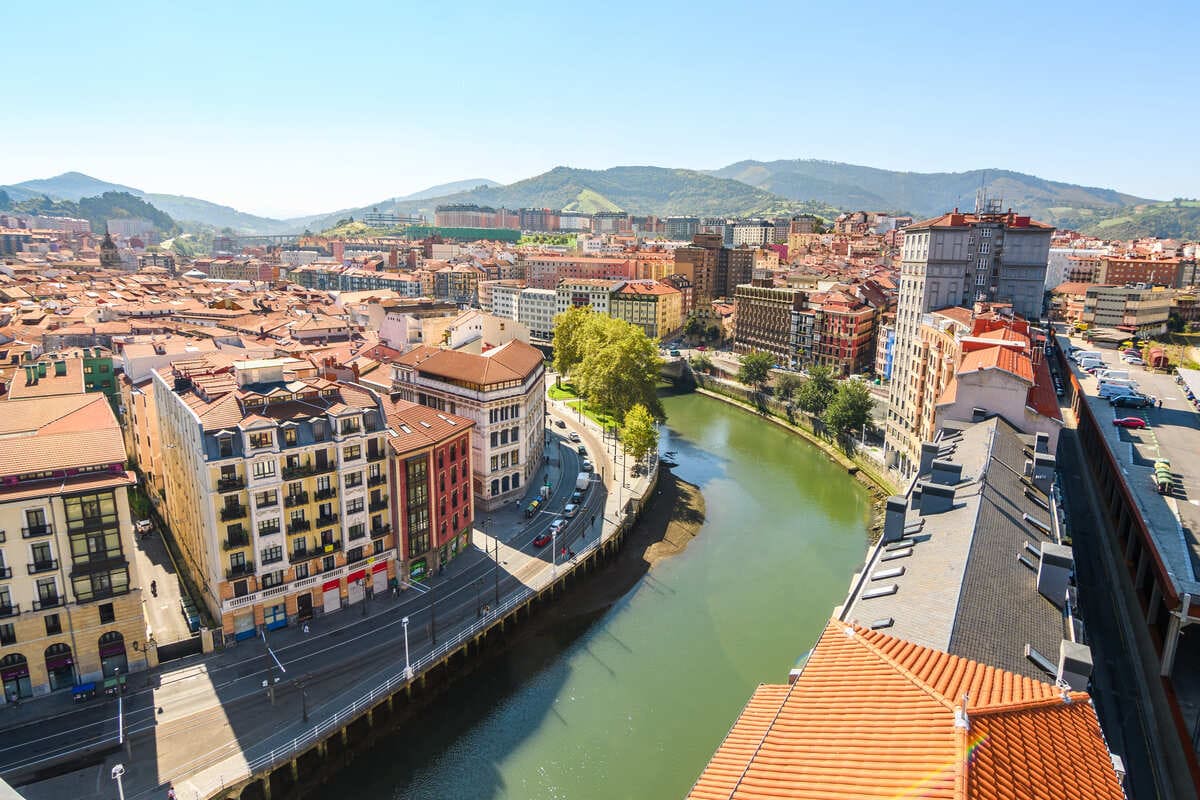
(417,570)
(243,626)
(113,658)
(379,577)
(275,617)
(60,667)
(332,600)
(14,669)
(356,583)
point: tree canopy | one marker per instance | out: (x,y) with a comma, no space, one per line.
(817,392)
(786,385)
(850,408)
(756,368)
(639,435)
(612,363)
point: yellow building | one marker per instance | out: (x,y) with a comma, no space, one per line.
(655,307)
(70,599)
(276,488)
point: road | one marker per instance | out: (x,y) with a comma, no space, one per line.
(196,713)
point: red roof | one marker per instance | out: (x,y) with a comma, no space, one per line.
(1003,358)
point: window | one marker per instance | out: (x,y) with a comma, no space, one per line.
(354,506)
(8,633)
(42,557)
(352,453)
(35,519)
(272,579)
(986,233)
(355,478)
(289,436)
(267,498)
(53,625)
(237,560)
(260,439)
(272,554)
(268,527)
(328,563)
(264,469)
(302,571)
(107,614)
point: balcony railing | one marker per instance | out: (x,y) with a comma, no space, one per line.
(48,602)
(327,520)
(301,555)
(376,480)
(376,456)
(320,469)
(330,547)
(10,610)
(231,484)
(381,530)
(299,526)
(43,566)
(273,559)
(5,573)
(292,500)
(326,494)
(356,457)
(240,570)
(378,505)
(269,530)
(235,540)
(297,471)
(37,530)
(272,503)
(233,512)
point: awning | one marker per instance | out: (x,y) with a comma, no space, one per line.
(357,575)
(333,584)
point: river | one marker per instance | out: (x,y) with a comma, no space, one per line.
(633,705)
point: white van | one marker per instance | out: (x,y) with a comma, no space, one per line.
(1112,374)
(1091,362)
(1109,389)
(1082,354)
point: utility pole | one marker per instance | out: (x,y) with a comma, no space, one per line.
(432,617)
(496,571)
(407,663)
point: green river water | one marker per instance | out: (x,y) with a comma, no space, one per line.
(633,705)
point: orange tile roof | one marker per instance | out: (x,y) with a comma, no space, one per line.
(998,357)
(1041,397)
(57,433)
(873,716)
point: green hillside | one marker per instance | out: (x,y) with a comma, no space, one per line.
(921,193)
(96,210)
(1176,219)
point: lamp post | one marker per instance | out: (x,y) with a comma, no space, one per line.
(407,665)
(117,771)
(496,569)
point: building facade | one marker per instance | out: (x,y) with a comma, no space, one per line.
(1132,310)
(766,319)
(656,308)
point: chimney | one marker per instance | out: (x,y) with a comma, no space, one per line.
(1043,471)
(893,519)
(936,498)
(41,368)
(1028,472)
(1054,572)
(978,414)
(929,451)
(1041,442)
(60,368)
(1074,665)
(946,472)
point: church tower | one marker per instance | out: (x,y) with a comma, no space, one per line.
(110,257)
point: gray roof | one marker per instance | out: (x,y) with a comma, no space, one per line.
(964,589)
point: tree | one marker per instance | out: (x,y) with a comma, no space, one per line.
(702,363)
(756,368)
(815,395)
(713,332)
(5,201)
(639,434)
(569,338)
(850,408)
(620,366)
(786,385)
(694,327)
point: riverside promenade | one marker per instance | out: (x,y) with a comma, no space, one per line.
(209,725)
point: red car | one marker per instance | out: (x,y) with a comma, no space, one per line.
(1129,422)
(541,540)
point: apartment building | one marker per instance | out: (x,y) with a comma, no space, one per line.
(681,229)
(843,333)
(593,294)
(503,391)
(755,232)
(958,259)
(457,284)
(70,597)
(698,263)
(546,271)
(1142,311)
(276,487)
(500,297)
(657,308)
(536,309)
(766,319)
(1152,271)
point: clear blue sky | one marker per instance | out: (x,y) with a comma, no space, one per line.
(302,107)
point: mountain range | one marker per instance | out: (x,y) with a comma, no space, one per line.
(746,188)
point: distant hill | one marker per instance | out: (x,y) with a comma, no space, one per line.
(1174,219)
(637,190)
(921,193)
(68,186)
(96,210)
(447,188)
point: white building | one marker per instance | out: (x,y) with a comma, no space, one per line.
(586,293)
(537,309)
(755,232)
(1058,262)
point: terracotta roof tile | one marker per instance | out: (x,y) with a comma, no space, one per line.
(1003,358)
(873,716)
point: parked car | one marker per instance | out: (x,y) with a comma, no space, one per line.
(1133,351)
(581,450)
(701,347)
(1130,422)
(570,510)
(542,539)
(1131,401)
(558,525)
(577,497)
(574,437)
(1134,360)
(674,353)
(588,466)
(560,423)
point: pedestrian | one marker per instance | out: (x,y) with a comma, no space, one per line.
(306,629)
(1158,401)
(170,792)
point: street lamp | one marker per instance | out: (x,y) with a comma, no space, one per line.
(496,570)
(117,771)
(407,665)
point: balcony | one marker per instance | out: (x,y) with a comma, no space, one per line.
(275,560)
(43,566)
(326,494)
(37,530)
(299,526)
(301,555)
(235,540)
(381,530)
(231,484)
(233,512)
(378,505)
(377,480)
(327,520)
(7,610)
(272,503)
(320,469)
(330,547)
(240,570)
(292,500)
(53,601)
(375,456)
(297,471)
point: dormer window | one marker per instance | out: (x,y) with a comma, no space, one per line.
(350,425)
(225,446)
(260,439)
(289,437)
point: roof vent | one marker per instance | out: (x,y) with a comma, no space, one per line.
(893,519)
(946,472)
(1041,442)
(929,451)
(1043,471)
(978,414)
(936,498)
(1054,572)
(1074,665)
